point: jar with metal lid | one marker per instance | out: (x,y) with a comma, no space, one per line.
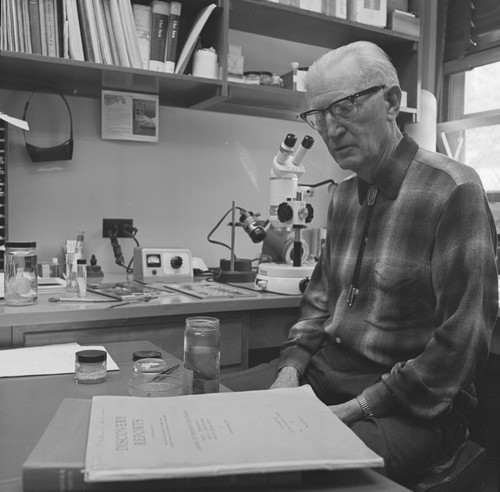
(90,366)
(152,377)
(201,355)
(252,78)
(20,278)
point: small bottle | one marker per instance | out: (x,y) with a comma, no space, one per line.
(201,356)
(295,68)
(79,244)
(54,268)
(90,366)
(81,277)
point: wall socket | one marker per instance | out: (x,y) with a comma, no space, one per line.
(120,227)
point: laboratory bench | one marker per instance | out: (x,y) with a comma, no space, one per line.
(259,321)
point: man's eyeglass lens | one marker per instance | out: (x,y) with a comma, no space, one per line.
(341,110)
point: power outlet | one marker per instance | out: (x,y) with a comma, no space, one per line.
(119,227)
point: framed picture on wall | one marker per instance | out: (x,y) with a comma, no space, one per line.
(129,116)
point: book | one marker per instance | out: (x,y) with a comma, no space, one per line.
(75,44)
(88,49)
(142,19)
(192,38)
(57,462)
(119,33)
(130,34)
(26,26)
(103,33)
(172,36)
(160,12)
(109,27)
(51,28)
(90,20)
(217,434)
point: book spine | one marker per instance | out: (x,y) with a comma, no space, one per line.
(26,26)
(159,27)
(172,36)
(85,29)
(94,37)
(51,28)
(130,34)
(54,478)
(75,41)
(118,33)
(102,33)
(142,19)
(109,27)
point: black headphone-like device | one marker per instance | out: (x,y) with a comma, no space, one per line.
(61,152)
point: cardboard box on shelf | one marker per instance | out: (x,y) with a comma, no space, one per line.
(335,8)
(373,12)
(404,22)
(288,79)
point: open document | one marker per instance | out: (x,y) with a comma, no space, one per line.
(218,434)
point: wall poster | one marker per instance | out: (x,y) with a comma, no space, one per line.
(129,116)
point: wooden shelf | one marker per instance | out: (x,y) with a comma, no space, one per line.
(303,26)
(28,72)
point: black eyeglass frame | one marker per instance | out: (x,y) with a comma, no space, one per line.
(352,98)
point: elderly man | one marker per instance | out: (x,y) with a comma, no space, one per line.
(396,321)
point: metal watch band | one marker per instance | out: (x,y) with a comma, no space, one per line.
(364,406)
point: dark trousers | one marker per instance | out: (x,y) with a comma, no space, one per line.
(407,444)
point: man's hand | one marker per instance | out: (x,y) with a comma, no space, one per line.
(349,412)
(288,377)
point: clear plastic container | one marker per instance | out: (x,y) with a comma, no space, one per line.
(81,277)
(201,356)
(21,282)
(147,379)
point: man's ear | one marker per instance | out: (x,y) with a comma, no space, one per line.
(393,96)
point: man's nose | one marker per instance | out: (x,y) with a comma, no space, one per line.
(333,126)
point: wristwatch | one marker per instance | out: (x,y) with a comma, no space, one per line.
(364,406)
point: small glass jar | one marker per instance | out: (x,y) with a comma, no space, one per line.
(201,355)
(20,279)
(252,78)
(148,379)
(266,78)
(90,366)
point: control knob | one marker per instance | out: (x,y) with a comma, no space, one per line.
(176,262)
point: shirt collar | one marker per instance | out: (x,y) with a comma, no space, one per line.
(392,173)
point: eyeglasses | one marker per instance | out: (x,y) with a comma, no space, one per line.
(342,110)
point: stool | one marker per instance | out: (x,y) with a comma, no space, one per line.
(463,472)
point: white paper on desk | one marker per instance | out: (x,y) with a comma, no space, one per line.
(47,359)
(246,432)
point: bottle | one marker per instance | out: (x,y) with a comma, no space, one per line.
(54,268)
(79,244)
(90,366)
(20,279)
(149,379)
(81,277)
(201,356)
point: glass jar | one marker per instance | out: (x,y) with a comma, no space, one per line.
(252,78)
(148,379)
(201,355)
(90,366)
(21,284)
(266,78)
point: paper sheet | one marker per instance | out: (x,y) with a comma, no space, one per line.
(47,359)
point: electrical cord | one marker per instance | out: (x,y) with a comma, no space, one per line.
(117,250)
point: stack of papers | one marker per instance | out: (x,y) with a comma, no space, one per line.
(47,359)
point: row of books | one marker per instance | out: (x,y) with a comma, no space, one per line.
(114,32)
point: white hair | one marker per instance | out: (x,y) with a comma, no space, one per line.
(373,64)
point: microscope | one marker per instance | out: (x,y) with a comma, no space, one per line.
(288,212)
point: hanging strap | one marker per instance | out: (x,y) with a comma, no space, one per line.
(354,288)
